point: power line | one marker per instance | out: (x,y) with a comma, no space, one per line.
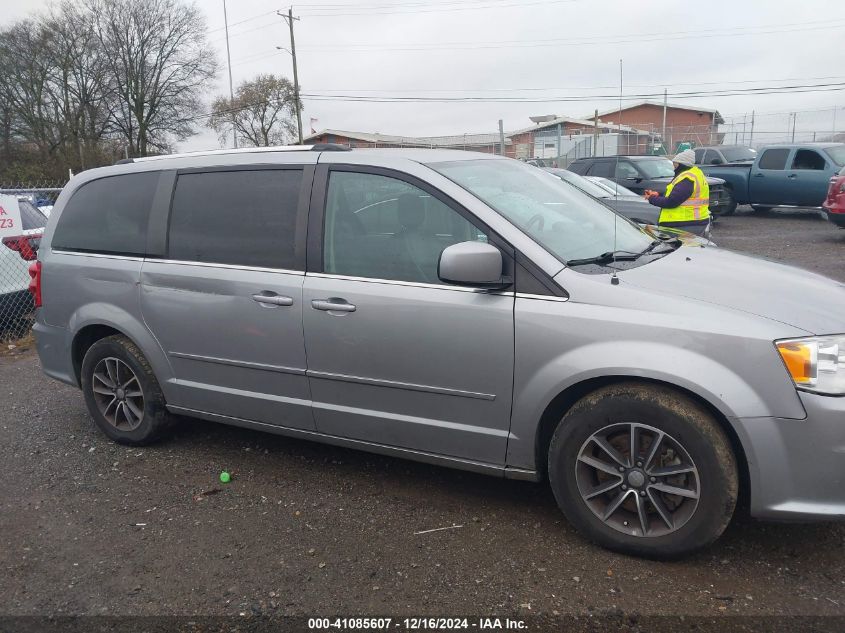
(763,90)
(566,42)
(428,8)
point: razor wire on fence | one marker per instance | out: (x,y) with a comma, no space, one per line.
(24,210)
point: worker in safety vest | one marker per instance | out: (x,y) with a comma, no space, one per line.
(685,204)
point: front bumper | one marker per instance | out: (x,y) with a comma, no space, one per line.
(797,467)
(836,215)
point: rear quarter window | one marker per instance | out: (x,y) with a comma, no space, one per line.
(108,215)
(773,159)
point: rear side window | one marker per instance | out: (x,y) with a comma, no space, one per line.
(774,158)
(241,218)
(602,169)
(108,215)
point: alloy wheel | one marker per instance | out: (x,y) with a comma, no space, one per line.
(638,479)
(118,394)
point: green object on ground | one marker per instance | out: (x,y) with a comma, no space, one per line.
(225,477)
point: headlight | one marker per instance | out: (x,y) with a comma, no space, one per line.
(816,364)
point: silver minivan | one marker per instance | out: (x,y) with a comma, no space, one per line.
(457,308)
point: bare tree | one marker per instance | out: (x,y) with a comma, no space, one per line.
(262,112)
(160,62)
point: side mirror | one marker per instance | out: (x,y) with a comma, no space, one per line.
(716,161)
(472,264)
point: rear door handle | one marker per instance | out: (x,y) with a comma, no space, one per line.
(272,300)
(792,176)
(332,305)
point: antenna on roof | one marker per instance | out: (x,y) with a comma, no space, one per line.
(614,279)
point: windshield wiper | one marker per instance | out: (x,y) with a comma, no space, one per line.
(611,256)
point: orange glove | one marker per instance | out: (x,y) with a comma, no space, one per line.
(650,194)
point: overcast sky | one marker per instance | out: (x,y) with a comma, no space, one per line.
(549,49)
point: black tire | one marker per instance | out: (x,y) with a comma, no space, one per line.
(685,422)
(155,420)
(729,206)
(760,209)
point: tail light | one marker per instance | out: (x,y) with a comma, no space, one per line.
(25,245)
(35,282)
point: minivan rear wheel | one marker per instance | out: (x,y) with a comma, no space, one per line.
(643,469)
(122,393)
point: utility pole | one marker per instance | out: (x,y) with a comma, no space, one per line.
(501,137)
(596,133)
(665,104)
(290,19)
(751,135)
(231,89)
(794,121)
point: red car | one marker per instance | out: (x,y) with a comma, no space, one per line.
(834,205)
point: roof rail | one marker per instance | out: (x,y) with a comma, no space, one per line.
(322,147)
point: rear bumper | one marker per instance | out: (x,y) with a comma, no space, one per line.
(836,215)
(54,351)
(797,467)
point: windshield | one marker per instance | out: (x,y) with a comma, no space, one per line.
(837,154)
(657,168)
(565,221)
(737,154)
(582,183)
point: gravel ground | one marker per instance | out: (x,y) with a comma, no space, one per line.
(90,527)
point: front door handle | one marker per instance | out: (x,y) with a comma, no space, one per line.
(272,299)
(332,305)
(759,175)
(792,176)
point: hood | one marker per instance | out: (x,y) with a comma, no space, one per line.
(779,292)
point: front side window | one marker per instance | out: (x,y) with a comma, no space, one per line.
(384,228)
(108,215)
(808,159)
(626,170)
(774,158)
(712,158)
(568,223)
(658,168)
(241,218)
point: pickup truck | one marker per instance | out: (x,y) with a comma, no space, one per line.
(639,173)
(722,154)
(782,175)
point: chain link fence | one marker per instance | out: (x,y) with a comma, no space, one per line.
(24,210)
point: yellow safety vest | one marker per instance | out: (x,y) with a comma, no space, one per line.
(696,206)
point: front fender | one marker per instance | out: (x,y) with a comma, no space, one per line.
(559,346)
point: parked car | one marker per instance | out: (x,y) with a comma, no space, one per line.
(613,188)
(783,175)
(834,204)
(456,308)
(634,208)
(724,154)
(15,254)
(639,173)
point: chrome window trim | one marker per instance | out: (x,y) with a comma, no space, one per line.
(132,258)
(260,269)
(526,295)
(410,284)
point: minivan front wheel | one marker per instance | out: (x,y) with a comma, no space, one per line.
(122,393)
(644,470)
